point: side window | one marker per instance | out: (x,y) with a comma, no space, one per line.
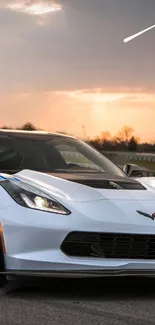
(9,158)
(72,155)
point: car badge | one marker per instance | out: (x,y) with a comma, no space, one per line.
(147,215)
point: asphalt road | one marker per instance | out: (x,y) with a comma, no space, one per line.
(121,301)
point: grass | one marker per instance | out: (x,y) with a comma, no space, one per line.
(147,164)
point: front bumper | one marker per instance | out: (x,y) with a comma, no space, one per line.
(33,242)
(63,266)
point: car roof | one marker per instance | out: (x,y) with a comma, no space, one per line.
(16,133)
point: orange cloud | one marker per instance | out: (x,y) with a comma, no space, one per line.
(104,95)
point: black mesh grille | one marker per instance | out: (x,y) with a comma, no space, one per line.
(109,245)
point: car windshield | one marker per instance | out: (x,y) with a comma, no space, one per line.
(52,154)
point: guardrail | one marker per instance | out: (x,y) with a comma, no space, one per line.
(130,156)
(120,158)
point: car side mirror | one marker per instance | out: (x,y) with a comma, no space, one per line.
(137,173)
(132,170)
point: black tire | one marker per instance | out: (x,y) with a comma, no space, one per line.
(2,266)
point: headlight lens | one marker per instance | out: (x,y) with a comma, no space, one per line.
(31,197)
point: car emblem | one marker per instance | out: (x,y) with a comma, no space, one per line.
(151,216)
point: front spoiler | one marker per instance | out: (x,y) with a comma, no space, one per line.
(79,274)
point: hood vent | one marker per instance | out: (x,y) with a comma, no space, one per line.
(111,184)
(102,181)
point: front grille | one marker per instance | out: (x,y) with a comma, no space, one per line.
(109,245)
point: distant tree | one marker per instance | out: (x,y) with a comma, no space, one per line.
(95,144)
(108,145)
(125,134)
(105,136)
(146,147)
(120,146)
(28,127)
(132,144)
(5,127)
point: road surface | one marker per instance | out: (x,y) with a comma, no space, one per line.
(125,301)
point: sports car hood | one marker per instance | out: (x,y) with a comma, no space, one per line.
(148,182)
(89,187)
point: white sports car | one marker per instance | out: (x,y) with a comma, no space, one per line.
(66,210)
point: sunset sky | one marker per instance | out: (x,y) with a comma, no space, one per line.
(63,64)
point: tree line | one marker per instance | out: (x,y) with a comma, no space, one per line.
(124,140)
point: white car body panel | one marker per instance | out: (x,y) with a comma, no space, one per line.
(33,238)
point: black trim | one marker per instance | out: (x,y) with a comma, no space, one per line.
(77,273)
(101,180)
(2,265)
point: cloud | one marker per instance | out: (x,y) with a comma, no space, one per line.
(78,47)
(103,96)
(32,7)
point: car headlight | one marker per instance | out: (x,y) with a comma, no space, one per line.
(31,197)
